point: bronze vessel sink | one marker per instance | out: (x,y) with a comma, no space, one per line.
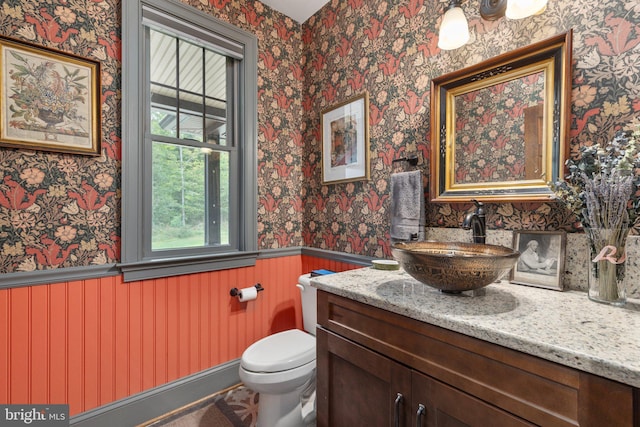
(454,266)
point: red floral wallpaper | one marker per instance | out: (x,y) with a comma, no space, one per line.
(61,210)
(64,210)
(389,48)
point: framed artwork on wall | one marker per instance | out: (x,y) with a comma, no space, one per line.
(49,100)
(541,261)
(345,140)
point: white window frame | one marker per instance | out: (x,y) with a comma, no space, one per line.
(138,262)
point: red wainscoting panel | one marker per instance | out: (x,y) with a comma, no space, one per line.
(310,263)
(91,342)
(19,345)
(5,339)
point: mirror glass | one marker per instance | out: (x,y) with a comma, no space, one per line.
(499,128)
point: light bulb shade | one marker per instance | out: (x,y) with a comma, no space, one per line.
(518,9)
(454,30)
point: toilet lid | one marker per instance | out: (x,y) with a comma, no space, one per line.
(280,352)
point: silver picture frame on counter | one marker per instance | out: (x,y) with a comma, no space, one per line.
(541,261)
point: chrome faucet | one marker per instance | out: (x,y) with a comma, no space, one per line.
(476,222)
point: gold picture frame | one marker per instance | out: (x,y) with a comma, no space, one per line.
(49,100)
(345,141)
(541,261)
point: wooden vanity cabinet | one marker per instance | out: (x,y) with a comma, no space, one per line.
(359,386)
(376,368)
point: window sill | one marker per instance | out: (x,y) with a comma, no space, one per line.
(157,268)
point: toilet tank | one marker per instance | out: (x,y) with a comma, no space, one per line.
(309,303)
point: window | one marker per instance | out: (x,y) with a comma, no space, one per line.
(189,142)
(187,135)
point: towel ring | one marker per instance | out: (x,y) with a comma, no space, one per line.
(412,159)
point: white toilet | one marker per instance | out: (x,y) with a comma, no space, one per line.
(281,366)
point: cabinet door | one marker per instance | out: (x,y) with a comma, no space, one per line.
(446,406)
(359,387)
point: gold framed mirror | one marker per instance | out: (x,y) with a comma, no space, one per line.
(499,129)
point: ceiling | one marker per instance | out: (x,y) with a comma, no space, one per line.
(298,10)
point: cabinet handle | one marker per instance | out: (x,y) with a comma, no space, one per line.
(420,414)
(396,409)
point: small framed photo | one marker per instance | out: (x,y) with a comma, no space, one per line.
(49,100)
(345,141)
(541,261)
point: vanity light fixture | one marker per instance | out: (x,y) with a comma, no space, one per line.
(518,9)
(454,29)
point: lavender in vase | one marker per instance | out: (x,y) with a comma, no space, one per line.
(602,190)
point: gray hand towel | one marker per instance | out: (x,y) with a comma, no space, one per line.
(407,206)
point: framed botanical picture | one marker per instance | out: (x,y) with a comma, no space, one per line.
(49,100)
(541,261)
(345,141)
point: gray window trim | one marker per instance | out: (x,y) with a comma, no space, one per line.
(198,31)
(134,264)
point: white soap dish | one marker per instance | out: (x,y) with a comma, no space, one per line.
(385,264)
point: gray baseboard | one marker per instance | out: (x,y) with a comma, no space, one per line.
(150,404)
(45,277)
(362,260)
(280,252)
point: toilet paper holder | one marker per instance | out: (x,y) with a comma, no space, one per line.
(234,292)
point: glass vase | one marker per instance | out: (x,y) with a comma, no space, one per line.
(607,264)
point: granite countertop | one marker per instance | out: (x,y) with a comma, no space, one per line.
(563,327)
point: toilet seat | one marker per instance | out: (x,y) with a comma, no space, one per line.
(280,352)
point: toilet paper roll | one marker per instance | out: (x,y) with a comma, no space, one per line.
(248,294)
